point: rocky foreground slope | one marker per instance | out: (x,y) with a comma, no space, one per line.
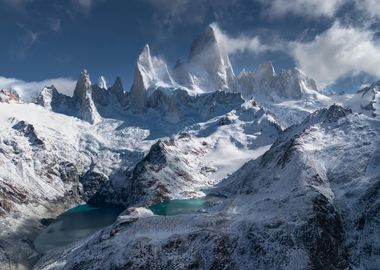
(310,202)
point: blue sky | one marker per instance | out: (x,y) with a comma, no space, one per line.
(334,41)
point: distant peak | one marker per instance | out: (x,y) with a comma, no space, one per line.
(145,53)
(102,83)
(203,42)
(83,85)
(267,69)
(117,84)
(84,73)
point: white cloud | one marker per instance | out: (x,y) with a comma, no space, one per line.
(241,43)
(313,8)
(337,52)
(29,90)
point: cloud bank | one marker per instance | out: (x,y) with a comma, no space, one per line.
(30,90)
(337,52)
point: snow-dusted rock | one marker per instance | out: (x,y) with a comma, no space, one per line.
(102,83)
(9,96)
(83,97)
(208,67)
(200,156)
(305,204)
(265,84)
(150,73)
(366,100)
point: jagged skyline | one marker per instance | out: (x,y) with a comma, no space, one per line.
(106,37)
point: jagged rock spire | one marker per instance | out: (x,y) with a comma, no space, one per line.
(83,97)
(149,71)
(47,96)
(118,90)
(209,54)
(102,83)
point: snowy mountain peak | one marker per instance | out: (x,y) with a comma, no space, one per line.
(145,59)
(83,98)
(265,83)
(83,85)
(46,97)
(203,43)
(266,70)
(117,89)
(102,83)
(150,72)
(209,67)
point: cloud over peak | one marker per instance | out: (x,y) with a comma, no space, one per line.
(337,52)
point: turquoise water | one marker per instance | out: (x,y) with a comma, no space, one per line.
(188,206)
(75,224)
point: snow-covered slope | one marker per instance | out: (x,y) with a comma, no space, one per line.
(366,100)
(49,162)
(198,157)
(305,204)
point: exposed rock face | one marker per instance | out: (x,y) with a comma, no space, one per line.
(209,61)
(150,72)
(265,83)
(80,105)
(208,67)
(83,97)
(9,96)
(174,168)
(297,207)
(118,91)
(29,132)
(49,97)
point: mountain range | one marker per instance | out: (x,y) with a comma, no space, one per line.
(298,169)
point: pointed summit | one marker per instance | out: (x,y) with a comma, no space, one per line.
(266,70)
(150,73)
(102,83)
(48,95)
(83,85)
(83,97)
(205,41)
(145,59)
(118,90)
(210,63)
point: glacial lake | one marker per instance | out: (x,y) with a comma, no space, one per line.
(75,224)
(185,206)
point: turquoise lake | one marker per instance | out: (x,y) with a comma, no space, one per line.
(186,206)
(75,224)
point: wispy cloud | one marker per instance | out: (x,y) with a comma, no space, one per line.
(28,39)
(30,90)
(243,43)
